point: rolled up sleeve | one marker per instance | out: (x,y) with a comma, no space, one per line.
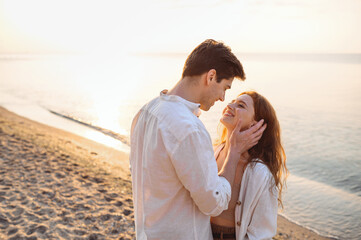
(196,167)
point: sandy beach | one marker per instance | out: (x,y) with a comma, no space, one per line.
(57,185)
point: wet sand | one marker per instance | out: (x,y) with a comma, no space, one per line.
(57,185)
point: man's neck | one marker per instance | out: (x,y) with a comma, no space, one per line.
(187,88)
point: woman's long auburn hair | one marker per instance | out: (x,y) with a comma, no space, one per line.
(269,148)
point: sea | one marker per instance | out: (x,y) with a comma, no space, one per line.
(317,98)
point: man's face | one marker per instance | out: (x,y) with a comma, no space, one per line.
(215,91)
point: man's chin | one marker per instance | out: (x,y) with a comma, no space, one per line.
(205,108)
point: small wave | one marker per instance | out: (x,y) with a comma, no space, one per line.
(122,138)
(331,211)
(331,237)
(324,188)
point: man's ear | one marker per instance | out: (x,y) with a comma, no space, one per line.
(211,76)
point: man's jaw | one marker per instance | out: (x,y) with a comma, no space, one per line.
(206,107)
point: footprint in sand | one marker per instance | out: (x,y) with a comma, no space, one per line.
(12,231)
(4,223)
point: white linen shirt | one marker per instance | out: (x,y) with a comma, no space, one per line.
(256,216)
(176,187)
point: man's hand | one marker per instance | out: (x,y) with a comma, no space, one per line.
(243,141)
(240,142)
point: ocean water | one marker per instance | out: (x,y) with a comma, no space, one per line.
(317,99)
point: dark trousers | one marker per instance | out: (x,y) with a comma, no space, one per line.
(222,233)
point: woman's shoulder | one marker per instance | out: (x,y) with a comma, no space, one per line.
(260,175)
(257,168)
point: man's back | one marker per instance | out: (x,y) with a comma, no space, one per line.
(175,182)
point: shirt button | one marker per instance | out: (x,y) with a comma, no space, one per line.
(238,202)
(238,223)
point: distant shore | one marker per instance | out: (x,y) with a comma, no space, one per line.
(54,184)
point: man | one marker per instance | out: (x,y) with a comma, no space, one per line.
(176,186)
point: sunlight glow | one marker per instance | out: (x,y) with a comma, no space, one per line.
(109,84)
(106,140)
(67,25)
(115,27)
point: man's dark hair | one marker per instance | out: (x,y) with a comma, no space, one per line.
(211,54)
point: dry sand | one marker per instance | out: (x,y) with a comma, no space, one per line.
(57,185)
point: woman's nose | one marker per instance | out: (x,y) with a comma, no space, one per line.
(226,108)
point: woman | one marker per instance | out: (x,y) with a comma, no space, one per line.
(257,188)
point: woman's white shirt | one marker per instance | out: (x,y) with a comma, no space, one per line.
(256,216)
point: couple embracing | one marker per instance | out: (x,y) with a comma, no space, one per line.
(185,187)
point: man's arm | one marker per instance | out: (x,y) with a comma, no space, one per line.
(196,168)
(134,122)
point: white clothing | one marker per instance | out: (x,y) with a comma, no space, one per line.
(176,187)
(256,216)
(257,213)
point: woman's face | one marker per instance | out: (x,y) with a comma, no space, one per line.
(244,107)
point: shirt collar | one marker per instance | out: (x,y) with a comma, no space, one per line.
(194,107)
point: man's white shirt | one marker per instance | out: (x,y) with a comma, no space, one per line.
(176,187)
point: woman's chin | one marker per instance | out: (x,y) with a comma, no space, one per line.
(227,124)
(230,125)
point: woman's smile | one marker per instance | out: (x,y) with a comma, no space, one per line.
(228,113)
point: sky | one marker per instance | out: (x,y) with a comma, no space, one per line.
(177,26)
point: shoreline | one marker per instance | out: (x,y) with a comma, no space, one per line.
(58,184)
